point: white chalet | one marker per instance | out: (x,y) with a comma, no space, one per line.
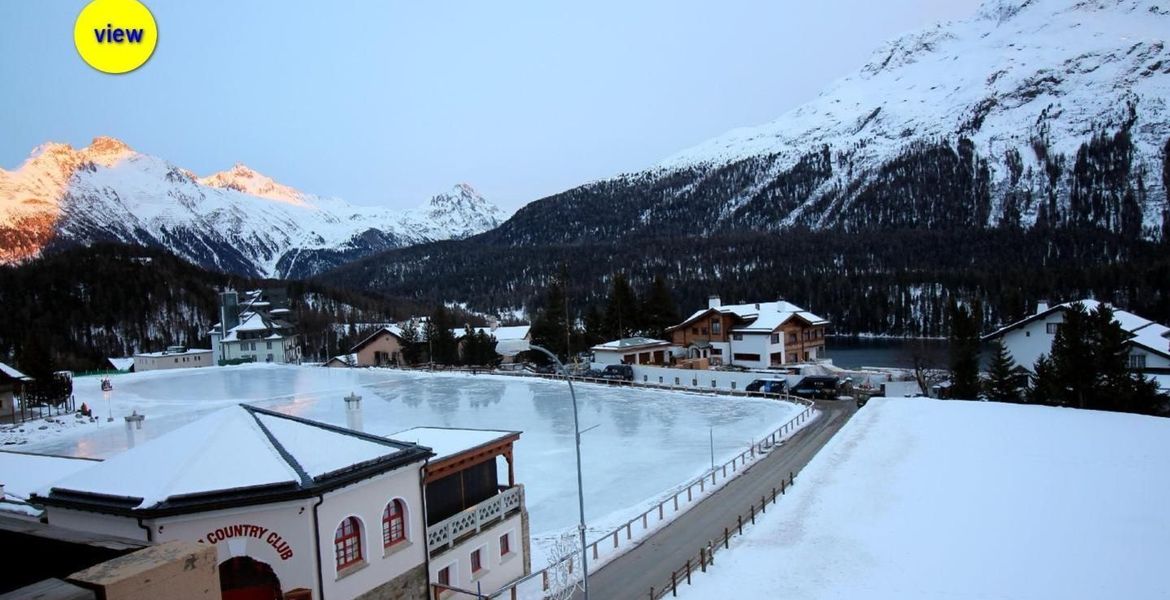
(253,331)
(759,335)
(1031,337)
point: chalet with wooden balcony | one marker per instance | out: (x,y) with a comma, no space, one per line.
(759,335)
(477,524)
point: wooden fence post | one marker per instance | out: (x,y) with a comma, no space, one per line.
(673,583)
(594,550)
(764,504)
(739,523)
(688,571)
(752,509)
(791,477)
(629,532)
(702,559)
(725,536)
(781,487)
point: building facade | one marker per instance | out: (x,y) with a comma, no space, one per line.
(383,348)
(175,357)
(634,351)
(253,330)
(297,509)
(757,336)
(1030,338)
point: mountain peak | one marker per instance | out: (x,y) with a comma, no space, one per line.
(108,145)
(243,178)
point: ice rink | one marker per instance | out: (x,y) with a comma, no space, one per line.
(639,443)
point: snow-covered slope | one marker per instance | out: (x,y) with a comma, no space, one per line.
(1028,82)
(236,220)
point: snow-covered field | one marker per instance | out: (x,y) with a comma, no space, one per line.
(645,442)
(919,498)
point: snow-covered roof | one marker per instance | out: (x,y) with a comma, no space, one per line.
(22,473)
(630,343)
(237,452)
(11,372)
(122,363)
(348,359)
(761,316)
(512,332)
(187,352)
(1144,331)
(254,322)
(446,442)
(1153,337)
(393,330)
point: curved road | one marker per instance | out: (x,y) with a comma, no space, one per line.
(631,575)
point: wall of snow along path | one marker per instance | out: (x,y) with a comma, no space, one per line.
(920,498)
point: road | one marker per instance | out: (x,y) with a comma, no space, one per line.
(631,575)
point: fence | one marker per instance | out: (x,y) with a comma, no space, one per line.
(699,562)
(621,539)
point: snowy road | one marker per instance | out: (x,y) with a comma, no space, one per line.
(645,442)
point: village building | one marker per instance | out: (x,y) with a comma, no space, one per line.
(255,330)
(1148,345)
(382,348)
(299,509)
(342,361)
(11,381)
(634,351)
(757,336)
(477,525)
(174,357)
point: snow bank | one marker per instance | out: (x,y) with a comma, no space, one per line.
(919,498)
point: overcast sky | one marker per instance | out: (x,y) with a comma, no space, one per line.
(386,103)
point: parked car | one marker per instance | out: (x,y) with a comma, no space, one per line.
(768,386)
(618,372)
(817,387)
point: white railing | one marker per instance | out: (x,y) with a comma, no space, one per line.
(475,518)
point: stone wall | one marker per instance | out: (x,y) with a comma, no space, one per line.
(411,585)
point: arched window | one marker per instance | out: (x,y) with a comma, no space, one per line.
(347,543)
(393,523)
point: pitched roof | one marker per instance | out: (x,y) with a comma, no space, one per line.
(11,373)
(237,456)
(1144,332)
(393,330)
(511,332)
(450,441)
(758,317)
(631,343)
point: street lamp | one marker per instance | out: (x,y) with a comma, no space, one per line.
(514,347)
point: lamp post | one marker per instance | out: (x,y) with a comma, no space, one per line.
(514,347)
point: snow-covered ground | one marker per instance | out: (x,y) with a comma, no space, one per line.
(644,444)
(919,498)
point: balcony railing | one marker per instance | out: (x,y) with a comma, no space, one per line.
(474,519)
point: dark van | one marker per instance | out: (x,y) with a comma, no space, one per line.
(618,372)
(817,387)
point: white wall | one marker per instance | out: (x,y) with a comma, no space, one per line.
(288,530)
(366,500)
(184,360)
(1153,361)
(705,379)
(1027,343)
(497,570)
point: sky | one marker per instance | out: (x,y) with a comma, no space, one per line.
(389,103)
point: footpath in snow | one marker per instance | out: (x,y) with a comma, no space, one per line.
(920,498)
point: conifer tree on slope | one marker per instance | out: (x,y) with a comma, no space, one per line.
(1001,385)
(964,350)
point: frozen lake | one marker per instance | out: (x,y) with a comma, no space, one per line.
(642,442)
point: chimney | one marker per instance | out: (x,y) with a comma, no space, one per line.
(713,302)
(1041,306)
(353,412)
(134,428)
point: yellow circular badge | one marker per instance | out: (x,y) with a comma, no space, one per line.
(115,36)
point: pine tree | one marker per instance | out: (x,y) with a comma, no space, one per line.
(1045,389)
(658,309)
(410,342)
(1073,358)
(548,328)
(964,350)
(621,311)
(1001,382)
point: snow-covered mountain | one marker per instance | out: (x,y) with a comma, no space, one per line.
(1031,112)
(237,220)
(1030,84)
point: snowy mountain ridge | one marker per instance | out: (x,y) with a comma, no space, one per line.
(237,220)
(1027,82)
